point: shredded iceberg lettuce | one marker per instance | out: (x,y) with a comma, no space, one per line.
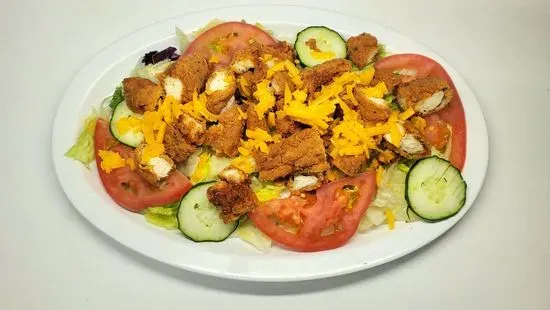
(163,216)
(83,149)
(213,23)
(266,191)
(182,39)
(248,232)
(390,196)
(152,71)
(264,28)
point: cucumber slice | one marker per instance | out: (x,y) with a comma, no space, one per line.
(130,138)
(329,42)
(199,220)
(435,189)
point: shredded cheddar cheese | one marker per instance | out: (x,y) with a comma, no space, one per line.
(322,55)
(128,124)
(265,97)
(257,140)
(111,160)
(396,130)
(390,216)
(379,175)
(214,59)
(377,91)
(202,169)
(407,114)
(245,163)
(419,123)
(154,149)
(271,119)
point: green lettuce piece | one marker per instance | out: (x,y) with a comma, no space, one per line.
(264,28)
(118,97)
(266,191)
(213,23)
(83,149)
(182,39)
(248,232)
(163,216)
(382,52)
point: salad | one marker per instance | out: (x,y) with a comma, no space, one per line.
(301,144)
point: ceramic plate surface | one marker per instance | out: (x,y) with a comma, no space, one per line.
(234,258)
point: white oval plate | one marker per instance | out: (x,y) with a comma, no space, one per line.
(234,258)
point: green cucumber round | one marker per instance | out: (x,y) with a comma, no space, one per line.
(199,219)
(435,189)
(327,40)
(130,138)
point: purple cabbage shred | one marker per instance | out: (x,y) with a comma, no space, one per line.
(154,57)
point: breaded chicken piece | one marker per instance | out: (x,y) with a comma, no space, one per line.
(192,129)
(141,94)
(156,169)
(390,78)
(371,109)
(287,127)
(246,59)
(232,194)
(412,144)
(252,119)
(349,164)
(426,95)
(181,137)
(225,137)
(220,87)
(185,76)
(176,145)
(362,49)
(303,152)
(322,74)
(280,50)
(280,80)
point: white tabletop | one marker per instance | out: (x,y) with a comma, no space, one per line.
(497,257)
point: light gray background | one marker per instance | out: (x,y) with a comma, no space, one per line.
(497,257)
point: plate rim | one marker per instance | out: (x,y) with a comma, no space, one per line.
(74,89)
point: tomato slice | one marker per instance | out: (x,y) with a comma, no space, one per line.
(453,114)
(330,209)
(128,188)
(225,39)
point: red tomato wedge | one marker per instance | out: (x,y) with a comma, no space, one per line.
(128,188)
(224,39)
(331,209)
(453,114)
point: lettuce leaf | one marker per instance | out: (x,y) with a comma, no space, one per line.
(248,232)
(118,97)
(266,191)
(382,52)
(83,149)
(213,23)
(163,216)
(182,39)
